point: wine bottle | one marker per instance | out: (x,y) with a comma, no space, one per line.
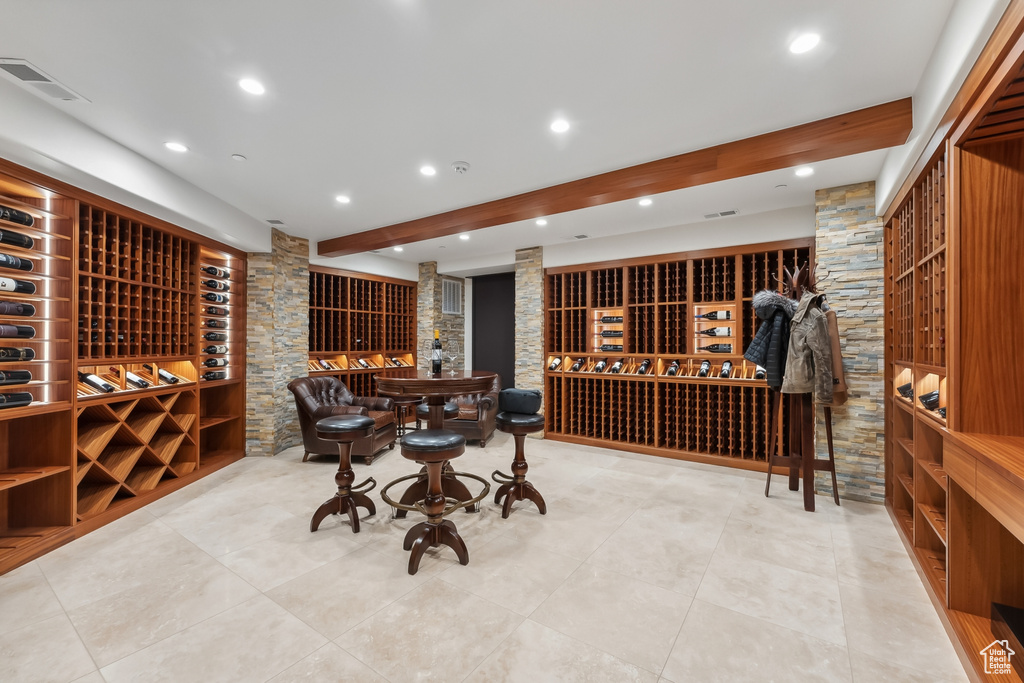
(216,348)
(363,364)
(95,382)
(8,261)
(601,364)
(577,365)
(617,366)
(716,332)
(22,331)
(705,368)
(20,286)
(324,364)
(715,315)
(8,377)
(216,272)
(726,369)
(215,336)
(17,308)
(759,372)
(673,368)
(611,319)
(217,284)
(13,353)
(398,362)
(214,310)
(130,378)
(435,354)
(644,365)
(716,348)
(13,400)
(219,374)
(215,362)
(163,374)
(15,216)
(215,324)
(215,298)
(611,347)
(611,333)
(555,363)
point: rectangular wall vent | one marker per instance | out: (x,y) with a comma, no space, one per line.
(451,297)
(274,221)
(722,214)
(581,237)
(29,74)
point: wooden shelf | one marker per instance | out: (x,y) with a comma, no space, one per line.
(212,420)
(22,475)
(938,475)
(908,484)
(936,519)
(933,563)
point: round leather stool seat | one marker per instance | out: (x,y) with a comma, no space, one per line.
(431,440)
(423,411)
(344,427)
(519,422)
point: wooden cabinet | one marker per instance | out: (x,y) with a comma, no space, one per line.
(650,308)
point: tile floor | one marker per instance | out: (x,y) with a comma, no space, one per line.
(643,570)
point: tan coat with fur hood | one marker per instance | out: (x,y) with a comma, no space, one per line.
(809,361)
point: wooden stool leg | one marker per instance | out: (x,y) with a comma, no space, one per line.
(795,442)
(831,453)
(518,488)
(344,501)
(436,530)
(776,405)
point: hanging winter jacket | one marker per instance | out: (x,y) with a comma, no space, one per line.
(771,343)
(809,362)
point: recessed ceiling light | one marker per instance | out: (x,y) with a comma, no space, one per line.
(175,146)
(252,86)
(804,43)
(559,125)
(541,222)
(398,249)
(646,201)
(238,157)
(463,237)
(804,171)
(342,199)
(428,170)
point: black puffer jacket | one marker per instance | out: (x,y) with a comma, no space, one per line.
(771,343)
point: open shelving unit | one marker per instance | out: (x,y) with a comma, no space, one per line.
(713,419)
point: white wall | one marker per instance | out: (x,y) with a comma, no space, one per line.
(371,264)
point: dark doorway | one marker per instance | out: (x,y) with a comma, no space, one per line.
(494,325)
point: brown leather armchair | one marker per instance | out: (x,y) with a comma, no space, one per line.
(476,417)
(319,397)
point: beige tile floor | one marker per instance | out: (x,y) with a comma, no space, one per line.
(643,570)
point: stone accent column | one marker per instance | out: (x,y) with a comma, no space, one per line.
(278,342)
(529,318)
(429,316)
(849,252)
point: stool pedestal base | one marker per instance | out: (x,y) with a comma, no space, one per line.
(344,503)
(516,487)
(430,535)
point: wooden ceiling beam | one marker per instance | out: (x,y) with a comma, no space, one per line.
(864,130)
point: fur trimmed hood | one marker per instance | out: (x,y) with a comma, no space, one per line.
(767,302)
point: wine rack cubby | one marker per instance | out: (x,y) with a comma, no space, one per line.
(659,299)
(359,325)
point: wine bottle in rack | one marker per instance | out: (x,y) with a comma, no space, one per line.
(95,382)
(601,365)
(215,272)
(217,284)
(163,374)
(617,366)
(16,399)
(215,310)
(726,369)
(759,372)
(19,331)
(716,332)
(324,364)
(215,362)
(611,347)
(215,336)
(398,362)
(363,364)
(216,348)
(555,363)
(435,354)
(9,377)
(17,308)
(705,368)
(16,239)
(644,365)
(215,324)
(20,286)
(611,319)
(215,298)
(130,378)
(10,354)
(577,365)
(716,348)
(673,368)
(715,315)
(15,216)
(212,375)
(611,333)
(8,261)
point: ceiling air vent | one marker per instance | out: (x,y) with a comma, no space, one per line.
(580,237)
(274,221)
(722,214)
(33,76)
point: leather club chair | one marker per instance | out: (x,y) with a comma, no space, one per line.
(320,397)
(476,416)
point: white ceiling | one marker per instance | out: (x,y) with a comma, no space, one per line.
(361,93)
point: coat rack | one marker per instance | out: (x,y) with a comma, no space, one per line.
(801,419)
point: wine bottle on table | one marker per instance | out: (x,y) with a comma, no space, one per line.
(13,400)
(20,331)
(435,354)
(716,332)
(617,366)
(555,363)
(8,261)
(13,353)
(715,315)
(214,375)
(716,348)
(95,382)
(705,368)
(216,348)
(215,298)
(9,377)
(215,362)
(644,365)
(17,308)
(601,365)
(215,336)
(20,217)
(163,374)
(217,284)
(20,286)
(131,378)
(216,272)
(673,368)
(726,369)
(577,365)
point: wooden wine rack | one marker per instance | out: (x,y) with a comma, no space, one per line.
(357,319)
(713,419)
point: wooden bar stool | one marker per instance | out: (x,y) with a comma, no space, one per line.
(404,405)
(345,429)
(516,487)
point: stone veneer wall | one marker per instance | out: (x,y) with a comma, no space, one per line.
(278,342)
(429,316)
(850,269)
(529,318)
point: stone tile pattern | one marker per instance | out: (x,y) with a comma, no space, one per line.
(277,342)
(530,318)
(430,318)
(850,266)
